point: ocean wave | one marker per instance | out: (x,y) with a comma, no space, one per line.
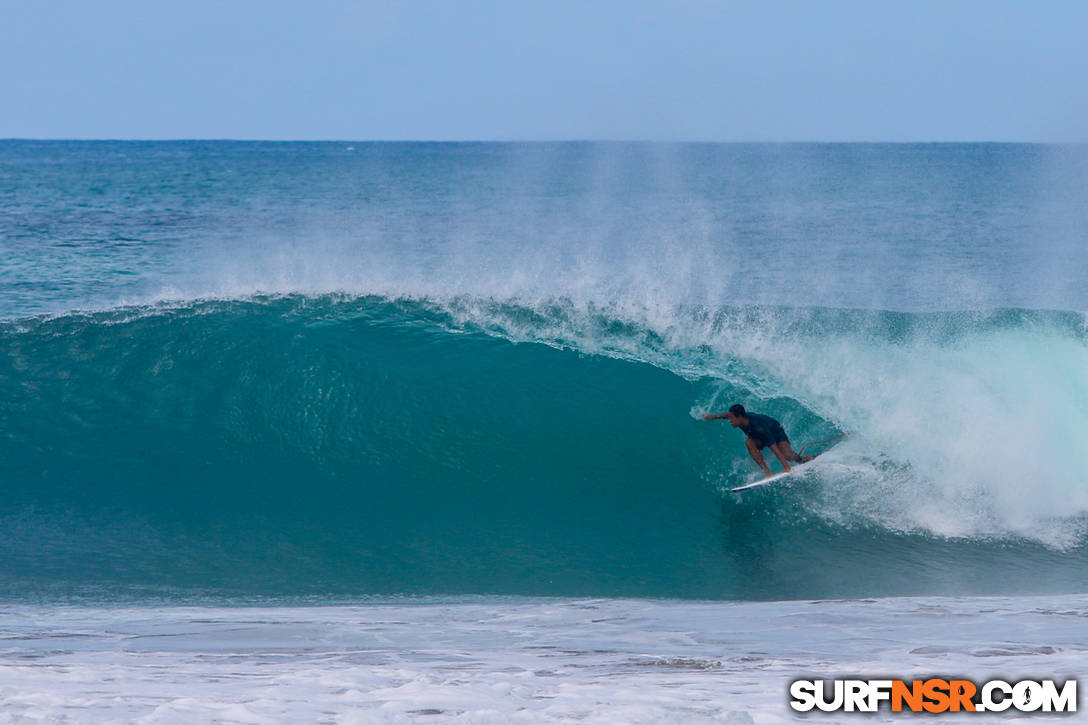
(367,444)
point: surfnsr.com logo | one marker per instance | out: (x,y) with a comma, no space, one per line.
(934,695)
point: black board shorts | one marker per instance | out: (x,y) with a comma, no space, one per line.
(771,435)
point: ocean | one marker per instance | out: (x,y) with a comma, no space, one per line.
(397,432)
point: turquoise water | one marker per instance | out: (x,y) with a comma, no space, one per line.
(335,370)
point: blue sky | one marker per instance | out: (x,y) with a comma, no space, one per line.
(604,69)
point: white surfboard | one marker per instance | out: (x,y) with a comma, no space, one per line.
(774,478)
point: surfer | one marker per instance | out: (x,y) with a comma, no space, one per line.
(763,431)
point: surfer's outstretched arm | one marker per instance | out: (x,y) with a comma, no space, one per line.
(712,416)
(753,450)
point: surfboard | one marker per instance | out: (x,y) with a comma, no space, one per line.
(772,479)
(793,469)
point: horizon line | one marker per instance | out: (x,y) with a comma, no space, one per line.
(225,139)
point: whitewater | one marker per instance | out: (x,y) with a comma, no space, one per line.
(378,432)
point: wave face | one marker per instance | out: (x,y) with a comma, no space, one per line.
(316,445)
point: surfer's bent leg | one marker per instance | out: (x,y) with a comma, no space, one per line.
(780,444)
(753,451)
(779,450)
(790,454)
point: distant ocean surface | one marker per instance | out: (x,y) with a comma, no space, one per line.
(308,376)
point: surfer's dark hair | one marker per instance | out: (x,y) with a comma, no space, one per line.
(738,410)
